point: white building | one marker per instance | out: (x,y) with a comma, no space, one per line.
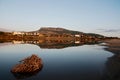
(18,33)
(77,35)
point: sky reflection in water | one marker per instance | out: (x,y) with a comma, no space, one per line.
(85,62)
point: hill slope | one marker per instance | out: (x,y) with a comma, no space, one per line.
(51,30)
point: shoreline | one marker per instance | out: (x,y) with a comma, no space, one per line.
(113,46)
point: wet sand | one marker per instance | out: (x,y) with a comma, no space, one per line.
(113,46)
(112,71)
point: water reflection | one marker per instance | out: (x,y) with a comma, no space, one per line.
(55,43)
(21,76)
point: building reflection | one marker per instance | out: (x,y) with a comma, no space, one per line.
(56,43)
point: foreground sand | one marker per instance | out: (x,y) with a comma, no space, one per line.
(112,70)
(113,45)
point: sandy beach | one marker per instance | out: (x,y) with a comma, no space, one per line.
(113,45)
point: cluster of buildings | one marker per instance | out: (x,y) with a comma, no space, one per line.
(26,33)
(40,34)
(77,36)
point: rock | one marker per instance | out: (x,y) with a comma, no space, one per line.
(28,65)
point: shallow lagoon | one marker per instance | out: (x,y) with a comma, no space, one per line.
(86,62)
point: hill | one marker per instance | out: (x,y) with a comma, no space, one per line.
(95,35)
(51,30)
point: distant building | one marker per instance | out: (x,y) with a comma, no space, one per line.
(18,33)
(32,33)
(77,35)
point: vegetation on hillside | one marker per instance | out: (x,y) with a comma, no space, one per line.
(57,31)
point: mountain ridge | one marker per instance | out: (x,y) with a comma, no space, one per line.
(57,30)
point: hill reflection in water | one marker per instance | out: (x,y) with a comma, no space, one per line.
(56,44)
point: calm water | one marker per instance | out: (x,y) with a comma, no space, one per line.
(86,62)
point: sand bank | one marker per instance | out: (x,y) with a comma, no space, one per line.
(113,45)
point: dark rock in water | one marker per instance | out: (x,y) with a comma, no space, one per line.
(28,65)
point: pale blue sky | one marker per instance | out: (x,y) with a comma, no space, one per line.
(99,16)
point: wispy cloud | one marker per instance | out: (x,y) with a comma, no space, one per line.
(109,30)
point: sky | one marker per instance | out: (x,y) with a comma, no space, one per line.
(90,16)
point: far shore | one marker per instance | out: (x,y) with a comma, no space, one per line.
(113,46)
